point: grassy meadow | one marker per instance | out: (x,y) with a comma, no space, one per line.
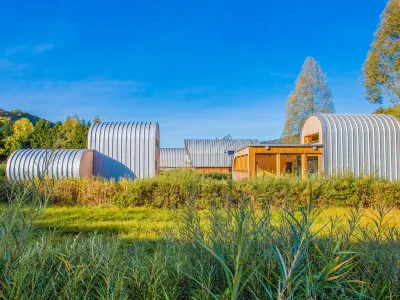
(151,224)
(209,241)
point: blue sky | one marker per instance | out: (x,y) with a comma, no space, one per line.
(202,69)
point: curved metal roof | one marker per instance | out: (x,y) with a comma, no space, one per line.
(125,149)
(212,153)
(26,164)
(362,144)
(173,158)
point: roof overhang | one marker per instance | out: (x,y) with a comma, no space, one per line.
(269,146)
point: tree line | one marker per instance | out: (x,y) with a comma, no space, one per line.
(69,134)
(380,77)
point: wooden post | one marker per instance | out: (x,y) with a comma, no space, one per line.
(319,165)
(304,166)
(278,164)
(252,162)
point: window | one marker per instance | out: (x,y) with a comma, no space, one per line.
(312,138)
(312,166)
(266,164)
(291,164)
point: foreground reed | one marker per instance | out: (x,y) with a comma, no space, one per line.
(238,252)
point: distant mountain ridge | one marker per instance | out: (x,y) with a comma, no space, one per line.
(271,142)
(17,114)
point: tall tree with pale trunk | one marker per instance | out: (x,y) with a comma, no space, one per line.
(311,95)
(381,69)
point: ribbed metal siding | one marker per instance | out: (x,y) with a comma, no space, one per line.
(361,144)
(211,153)
(125,149)
(26,164)
(174,158)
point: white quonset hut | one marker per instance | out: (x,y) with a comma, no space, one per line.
(26,164)
(125,149)
(173,158)
(214,155)
(357,144)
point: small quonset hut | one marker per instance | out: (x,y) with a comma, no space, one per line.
(214,155)
(359,144)
(331,144)
(173,158)
(125,149)
(26,164)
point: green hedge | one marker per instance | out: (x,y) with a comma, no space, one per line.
(343,191)
(2,170)
(172,189)
(4,190)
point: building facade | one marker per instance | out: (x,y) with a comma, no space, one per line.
(173,158)
(125,149)
(27,164)
(330,144)
(359,144)
(214,155)
(277,159)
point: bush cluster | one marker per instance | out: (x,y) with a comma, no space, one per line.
(94,191)
(2,170)
(338,191)
(3,180)
(172,189)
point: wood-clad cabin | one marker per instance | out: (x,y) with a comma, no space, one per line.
(276,159)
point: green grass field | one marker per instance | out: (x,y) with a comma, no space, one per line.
(142,223)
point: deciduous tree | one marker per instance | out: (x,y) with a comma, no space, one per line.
(5,132)
(381,69)
(22,130)
(73,133)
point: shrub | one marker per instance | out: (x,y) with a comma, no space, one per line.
(172,189)
(2,170)
(93,191)
(4,187)
(216,175)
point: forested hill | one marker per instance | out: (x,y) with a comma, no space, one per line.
(19,114)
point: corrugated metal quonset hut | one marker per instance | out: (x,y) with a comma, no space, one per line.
(357,144)
(172,158)
(125,149)
(213,155)
(26,164)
